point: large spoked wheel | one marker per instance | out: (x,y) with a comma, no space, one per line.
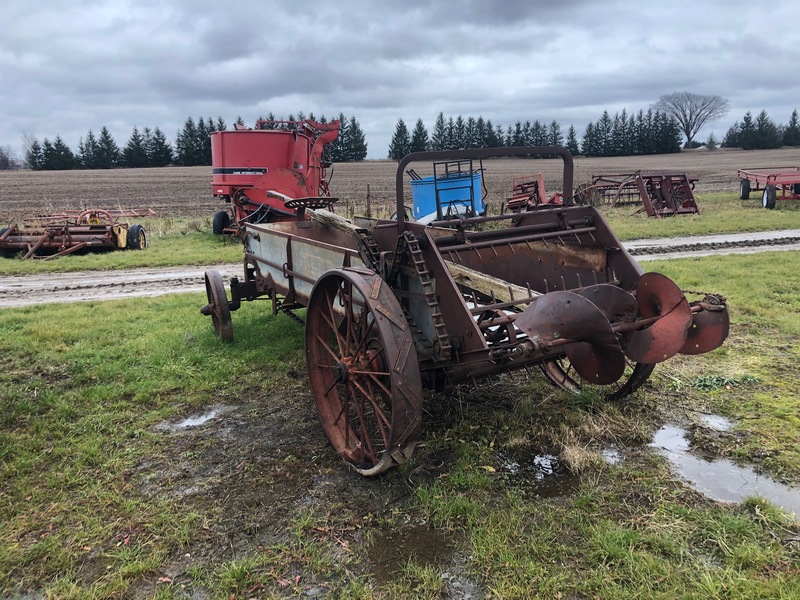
(217,306)
(363,370)
(563,375)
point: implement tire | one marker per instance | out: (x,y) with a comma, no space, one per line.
(137,237)
(744,189)
(220,222)
(769,197)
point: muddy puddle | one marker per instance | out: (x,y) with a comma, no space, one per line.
(721,479)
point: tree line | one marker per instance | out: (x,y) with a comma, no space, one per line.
(761,133)
(651,132)
(192,146)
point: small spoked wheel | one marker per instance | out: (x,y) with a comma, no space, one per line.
(217,306)
(363,370)
(561,373)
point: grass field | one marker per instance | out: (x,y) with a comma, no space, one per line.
(107,492)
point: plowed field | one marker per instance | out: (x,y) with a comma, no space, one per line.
(186,191)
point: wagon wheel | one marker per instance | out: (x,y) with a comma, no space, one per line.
(561,373)
(363,370)
(217,306)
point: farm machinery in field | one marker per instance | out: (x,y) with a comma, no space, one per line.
(395,306)
(51,236)
(660,193)
(260,171)
(768,182)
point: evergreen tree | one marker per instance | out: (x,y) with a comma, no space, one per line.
(516,137)
(47,155)
(554,135)
(355,142)
(460,134)
(401,141)
(572,141)
(731,139)
(603,130)
(589,142)
(108,155)
(186,150)
(159,151)
(747,133)
(337,146)
(450,135)
(471,137)
(87,152)
(439,135)
(482,133)
(767,133)
(135,154)
(419,137)
(791,133)
(34,156)
(63,158)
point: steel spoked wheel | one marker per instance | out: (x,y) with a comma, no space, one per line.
(562,374)
(363,370)
(217,306)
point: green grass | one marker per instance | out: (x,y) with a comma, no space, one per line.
(719,213)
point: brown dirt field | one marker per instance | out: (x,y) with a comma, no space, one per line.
(186,191)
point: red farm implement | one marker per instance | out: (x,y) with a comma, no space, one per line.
(768,182)
(660,193)
(395,306)
(51,236)
(257,170)
(529,192)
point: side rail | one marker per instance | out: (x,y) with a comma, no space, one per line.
(475,153)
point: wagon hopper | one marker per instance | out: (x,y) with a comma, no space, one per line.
(395,306)
(257,170)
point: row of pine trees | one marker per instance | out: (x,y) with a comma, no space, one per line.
(645,133)
(192,146)
(624,134)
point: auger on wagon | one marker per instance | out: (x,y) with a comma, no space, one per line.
(395,306)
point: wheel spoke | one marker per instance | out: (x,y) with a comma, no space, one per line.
(366,442)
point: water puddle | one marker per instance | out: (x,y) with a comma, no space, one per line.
(717,422)
(612,455)
(542,474)
(721,479)
(193,420)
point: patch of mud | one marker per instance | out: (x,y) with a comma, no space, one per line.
(391,551)
(252,472)
(721,479)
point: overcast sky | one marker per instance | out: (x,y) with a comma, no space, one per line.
(67,66)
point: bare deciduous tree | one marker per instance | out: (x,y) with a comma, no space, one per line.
(692,111)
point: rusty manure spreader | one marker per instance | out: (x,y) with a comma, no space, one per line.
(396,306)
